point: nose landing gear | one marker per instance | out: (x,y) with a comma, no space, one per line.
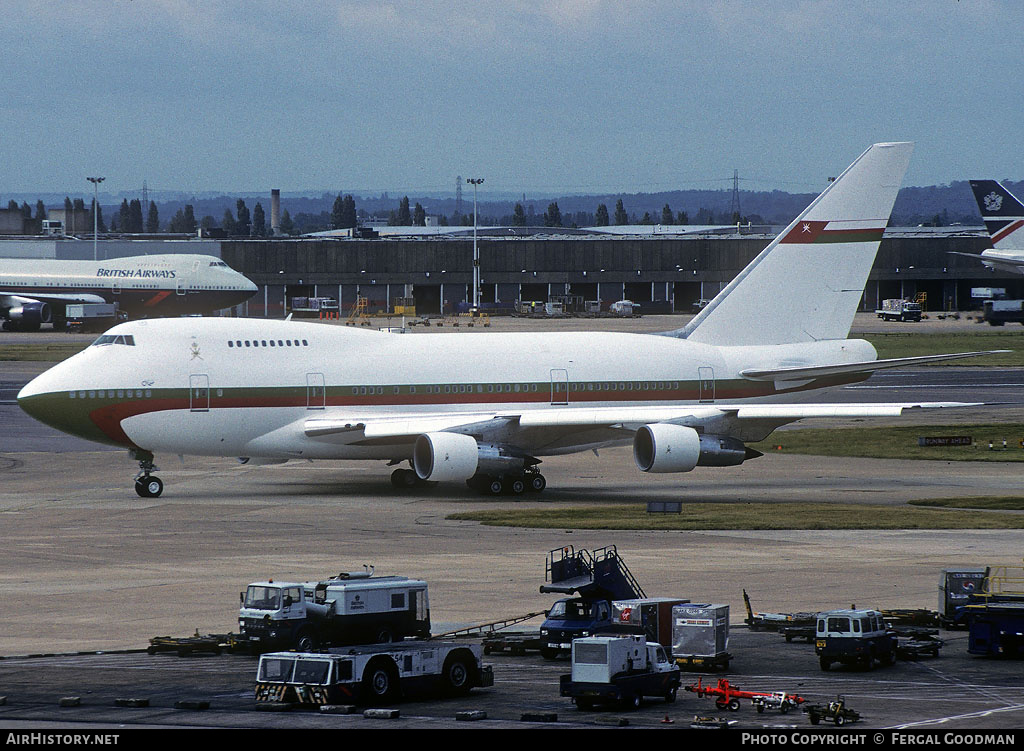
(147,485)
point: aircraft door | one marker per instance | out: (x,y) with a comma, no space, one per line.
(706,376)
(559,386)
(199,393)
(316,392)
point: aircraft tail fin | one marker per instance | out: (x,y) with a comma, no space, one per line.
(1002,212)
(806,285)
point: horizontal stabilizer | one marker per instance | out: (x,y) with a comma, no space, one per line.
(867,366)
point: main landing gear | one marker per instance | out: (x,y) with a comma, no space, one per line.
(530,481)
(404,479)
(147,485)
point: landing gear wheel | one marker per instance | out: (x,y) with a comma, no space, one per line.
(149,487)
(515,485)
(403,478)
(494,486)
(535,482)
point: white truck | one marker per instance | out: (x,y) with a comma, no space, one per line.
(351,608)
(899,310)
(371,674)
(81,317)
(618,670)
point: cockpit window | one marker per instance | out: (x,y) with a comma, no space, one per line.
(126,339)
(218,263)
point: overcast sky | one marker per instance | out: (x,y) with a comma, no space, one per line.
(535,97)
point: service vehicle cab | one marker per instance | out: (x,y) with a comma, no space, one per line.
(853,637)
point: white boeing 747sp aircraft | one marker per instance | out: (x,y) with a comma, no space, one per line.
(484,408)
(34,291)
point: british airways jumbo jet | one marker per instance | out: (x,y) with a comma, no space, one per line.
(485,408)
(36,291)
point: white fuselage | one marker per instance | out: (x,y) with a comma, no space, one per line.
(243,387)
(166,284)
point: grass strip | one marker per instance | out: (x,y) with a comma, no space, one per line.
(901,442)
(53,352)
(744,516)
(988,503)
(917,344)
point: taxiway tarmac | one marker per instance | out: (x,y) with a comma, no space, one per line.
(87,565)
(105,569)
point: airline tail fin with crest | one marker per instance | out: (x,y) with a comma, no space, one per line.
(806,285)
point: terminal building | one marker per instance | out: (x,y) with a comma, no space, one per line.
(663,271)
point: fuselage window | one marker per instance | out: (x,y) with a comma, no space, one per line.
(280,343)
(288,342)
(412,389)
(71,394)
(263,342)
(271,342)
(305,343)
(149,393)
(246,342)
(231,343)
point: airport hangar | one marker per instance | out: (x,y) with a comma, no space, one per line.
(664,269)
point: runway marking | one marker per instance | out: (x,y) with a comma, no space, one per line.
(951,718)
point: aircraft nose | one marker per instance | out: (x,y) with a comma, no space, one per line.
(36,398)
(45,399)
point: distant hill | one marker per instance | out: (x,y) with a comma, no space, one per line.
(943,204)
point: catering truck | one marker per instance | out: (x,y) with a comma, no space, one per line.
(371,674)
(351,608)
(618,670)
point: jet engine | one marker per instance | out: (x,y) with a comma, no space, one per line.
(28,314)
(664,447)
(446,457)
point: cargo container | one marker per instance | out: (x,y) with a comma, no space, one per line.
(700,635)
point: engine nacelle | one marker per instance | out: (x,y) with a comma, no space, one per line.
(29,314)
(664,447)
(444,457)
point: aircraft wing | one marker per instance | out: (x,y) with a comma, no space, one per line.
(13,299)
(495,425)
(802,373)
(1013,262)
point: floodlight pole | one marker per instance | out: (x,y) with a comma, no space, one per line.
(475,181)
(95,212)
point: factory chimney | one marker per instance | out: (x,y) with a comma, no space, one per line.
(275,211)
